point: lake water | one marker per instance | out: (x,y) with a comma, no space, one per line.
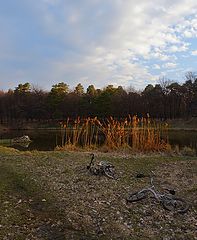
(47,140)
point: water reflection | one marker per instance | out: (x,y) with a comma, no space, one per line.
(183,138)
(47,140)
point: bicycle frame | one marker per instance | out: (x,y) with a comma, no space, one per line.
(151,189)
(101,168)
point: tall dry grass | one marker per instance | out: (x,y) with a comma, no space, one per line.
(137,134)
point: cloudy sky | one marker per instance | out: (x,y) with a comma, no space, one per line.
(100,42)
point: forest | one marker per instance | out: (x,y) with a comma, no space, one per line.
(165,100)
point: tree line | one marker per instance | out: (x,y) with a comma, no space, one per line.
(165,100)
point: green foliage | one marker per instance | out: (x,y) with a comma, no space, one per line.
(60,89)
(91,90)
(23,88)
(103,104)
(79,89)
(56,97)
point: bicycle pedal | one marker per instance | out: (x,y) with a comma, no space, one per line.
(171,191)
(140,175)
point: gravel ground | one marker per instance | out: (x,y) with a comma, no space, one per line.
(51,195)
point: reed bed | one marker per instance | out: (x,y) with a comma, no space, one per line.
(136,134)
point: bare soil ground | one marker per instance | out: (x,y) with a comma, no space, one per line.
(51,195)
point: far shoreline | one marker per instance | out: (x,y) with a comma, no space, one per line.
(53,125)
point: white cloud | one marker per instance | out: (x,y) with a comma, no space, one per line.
(107,40)
(187,33)
(178,48)
(156,66)
(194,53)
(169,65)
(134,29)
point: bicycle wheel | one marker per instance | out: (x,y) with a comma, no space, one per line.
(134,197)
(109,172)
(175,204)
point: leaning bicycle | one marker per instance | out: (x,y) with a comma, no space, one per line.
(101,168)
(168,200)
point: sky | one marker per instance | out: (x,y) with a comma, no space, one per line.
(127,43)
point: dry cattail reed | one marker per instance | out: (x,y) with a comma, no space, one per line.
(137,134)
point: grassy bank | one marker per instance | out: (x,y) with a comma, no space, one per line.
(50,195)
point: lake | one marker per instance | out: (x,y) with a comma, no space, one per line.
(47,140)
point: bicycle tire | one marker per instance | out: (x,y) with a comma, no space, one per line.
(137,196)
(175,204)
(109,172)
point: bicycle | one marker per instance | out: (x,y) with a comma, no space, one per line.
(101,168)
(168,200)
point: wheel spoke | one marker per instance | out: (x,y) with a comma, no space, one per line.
(175,204)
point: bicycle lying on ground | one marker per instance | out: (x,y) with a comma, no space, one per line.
(167,200)
(101,168)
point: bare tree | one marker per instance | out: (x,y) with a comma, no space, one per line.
(165,83)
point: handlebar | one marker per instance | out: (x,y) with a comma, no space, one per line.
(151,180)
(151,177)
